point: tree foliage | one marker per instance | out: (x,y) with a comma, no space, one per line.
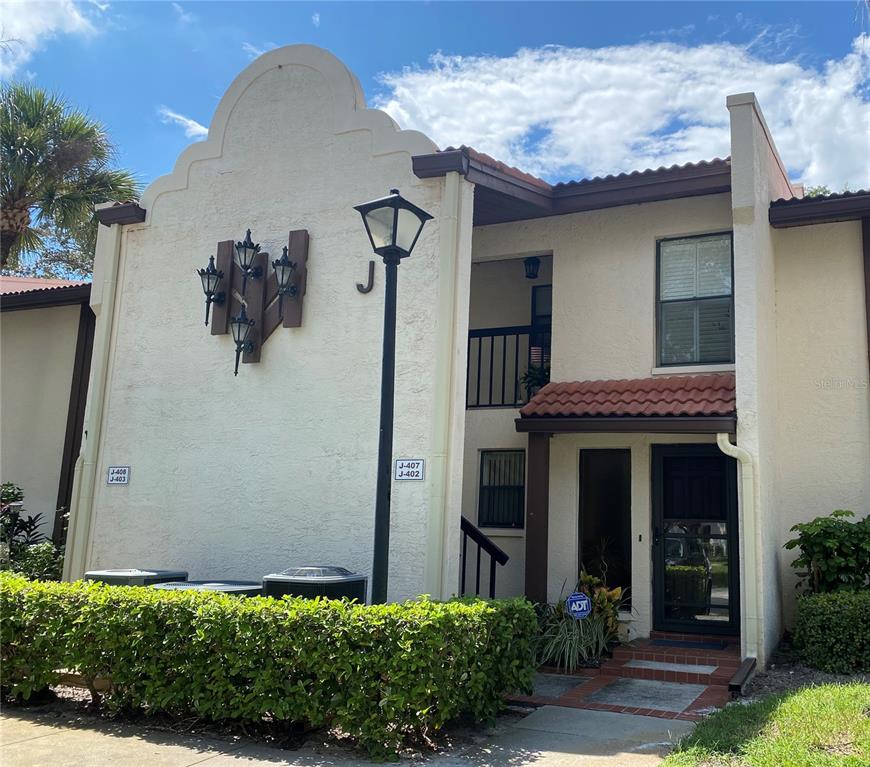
(56,165)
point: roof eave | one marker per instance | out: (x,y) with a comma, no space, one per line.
(120,213)
(629,424)
(805,212)
(46,298)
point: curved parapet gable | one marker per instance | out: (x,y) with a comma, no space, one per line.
(348,112)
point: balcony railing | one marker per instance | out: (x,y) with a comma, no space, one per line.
(498,358)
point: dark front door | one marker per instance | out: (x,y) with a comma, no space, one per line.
(695,568)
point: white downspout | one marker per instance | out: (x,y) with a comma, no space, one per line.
(106,261)
(448,246)
(751,545)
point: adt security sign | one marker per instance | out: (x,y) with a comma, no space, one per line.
(578,605)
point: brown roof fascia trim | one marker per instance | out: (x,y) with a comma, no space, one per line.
(125,213)
(440,163)
(630,424)
(865,236)
(75,419)
(631,189)
(491,178)
(661,185)
(459,161)
(43,299)
(807,211)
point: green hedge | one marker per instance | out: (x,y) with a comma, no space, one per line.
(384,674)
(832,631)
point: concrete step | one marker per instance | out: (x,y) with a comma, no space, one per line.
(727,639)
(642,649)
(663,671)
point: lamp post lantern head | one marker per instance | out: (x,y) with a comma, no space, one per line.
(211,278)
(393,225)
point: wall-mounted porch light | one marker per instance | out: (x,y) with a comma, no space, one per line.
(241,329)
(284,270)
(532,264)
(211,279)
(245,253)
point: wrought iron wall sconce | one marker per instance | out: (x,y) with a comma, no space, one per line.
(284,269)
(211,279)
(246,253)
(251,305)
(531,265)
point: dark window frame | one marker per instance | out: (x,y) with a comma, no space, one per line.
(660,302)
(481,487)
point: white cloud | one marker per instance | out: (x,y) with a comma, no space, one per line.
(27,26)
(183,17)
(192,129)
(572,112)
(253,51)
(315,19)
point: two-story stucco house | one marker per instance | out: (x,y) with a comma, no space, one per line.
(703,328)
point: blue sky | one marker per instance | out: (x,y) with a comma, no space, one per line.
(563,90)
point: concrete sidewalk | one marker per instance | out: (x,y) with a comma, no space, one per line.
(549,737)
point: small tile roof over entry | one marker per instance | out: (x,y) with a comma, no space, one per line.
(667,396)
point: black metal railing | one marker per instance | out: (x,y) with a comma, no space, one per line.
(484,544)
(498,358)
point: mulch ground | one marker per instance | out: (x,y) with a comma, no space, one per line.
(785,674)
(71,707)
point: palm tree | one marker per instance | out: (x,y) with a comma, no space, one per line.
(55,168)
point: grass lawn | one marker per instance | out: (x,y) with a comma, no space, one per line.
(825,726)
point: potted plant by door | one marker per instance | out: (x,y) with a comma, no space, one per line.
(534,378)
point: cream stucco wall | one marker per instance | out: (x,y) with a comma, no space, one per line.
(604,265)
(238,477)
(37,351)
(564,530)
(603,277)
(823,404)
(757,177)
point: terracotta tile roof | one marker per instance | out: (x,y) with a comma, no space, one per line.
(498,165)
(782,201)
(669,396)
(716,163)
(11,286)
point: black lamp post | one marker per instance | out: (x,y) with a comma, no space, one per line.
(241,327)
(393,225)
(245,252)
(284,269)
(211,278)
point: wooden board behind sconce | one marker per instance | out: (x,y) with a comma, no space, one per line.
(262,294)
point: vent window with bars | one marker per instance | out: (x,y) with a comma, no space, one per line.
(695,301)
(502,488)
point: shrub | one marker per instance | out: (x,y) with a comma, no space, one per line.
(567,643)
(834,553)
(383,674)
(41,561)
(832,631)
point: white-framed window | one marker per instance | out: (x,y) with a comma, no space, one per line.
(695,300)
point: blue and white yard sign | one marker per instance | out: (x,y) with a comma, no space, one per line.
(578,605)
